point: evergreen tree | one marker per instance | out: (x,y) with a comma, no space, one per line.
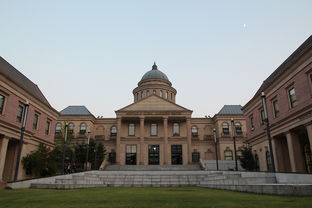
(247,160)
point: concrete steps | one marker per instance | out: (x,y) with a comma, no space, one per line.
(152,168)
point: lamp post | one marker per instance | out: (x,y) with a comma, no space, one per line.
(64,147)
(95,157)
(87,157)
(21,141)
(216,148)
(234,141)
(263,99)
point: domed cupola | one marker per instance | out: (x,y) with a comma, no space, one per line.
(154,74)
(154,82)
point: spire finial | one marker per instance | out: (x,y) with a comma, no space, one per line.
(154,66)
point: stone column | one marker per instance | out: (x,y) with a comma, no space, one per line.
(189,140)
(141,140)
(3,150)
(274,148)
(166,158)
(296,160)
(118,148)
(309,131)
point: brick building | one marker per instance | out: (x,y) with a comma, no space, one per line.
(288,93)
(16,90)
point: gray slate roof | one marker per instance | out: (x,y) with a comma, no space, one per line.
(154,74)
(21,80)
(75,110)
(231,110)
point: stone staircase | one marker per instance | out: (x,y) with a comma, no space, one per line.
(254,182)
(127,179)
(152,168)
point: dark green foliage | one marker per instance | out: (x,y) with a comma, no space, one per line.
(247,160)
(96,154)
(41,162)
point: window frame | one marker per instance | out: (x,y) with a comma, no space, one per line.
(292,104)
(276,111)
(131,129)
(113,128)
(240,127)
(19,118)
(82,131)
(35,124)
(56,126)
(194,133)
(2,104)
(48,125)
(176,126)
(69,129)
(228,128)
(228,156)
(262,116)
(252,124)
(156,129)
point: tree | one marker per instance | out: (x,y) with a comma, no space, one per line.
(247,160)
(40,163)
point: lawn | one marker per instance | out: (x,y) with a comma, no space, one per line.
(144,197)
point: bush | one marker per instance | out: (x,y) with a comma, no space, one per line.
(247,160)
(40,163)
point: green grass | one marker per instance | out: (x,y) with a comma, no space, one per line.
(144,197)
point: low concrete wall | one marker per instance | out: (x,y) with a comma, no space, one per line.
(223,165)
(48,180)
(293,178)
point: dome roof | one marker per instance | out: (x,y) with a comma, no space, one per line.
(154,74)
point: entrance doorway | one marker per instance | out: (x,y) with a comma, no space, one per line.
(176,155)
(131,151)
(10,160)
(153,154)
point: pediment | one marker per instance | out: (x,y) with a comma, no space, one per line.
(153,103)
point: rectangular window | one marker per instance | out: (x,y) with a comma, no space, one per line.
(2,99)
(47,129)
(35,122)
(262,116)
(292,97)
(252,125)
(153,129)
(228,155)
(131,129)
(176,129)
(195,157)
(275,108)
(19,113)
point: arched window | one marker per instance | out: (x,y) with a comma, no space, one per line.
(142,95)
(225,128)
(153,129)
(171,96)
(83,128)
(194,131)
(166,95)
(257,162)
(154,91)
(176,129)
(238,128)
(160,93)
(147,93)
(71,127)
(58,128)
(113,131)
(268,161)
(131,129)
(228,155)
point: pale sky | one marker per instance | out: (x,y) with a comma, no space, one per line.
(94,53)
